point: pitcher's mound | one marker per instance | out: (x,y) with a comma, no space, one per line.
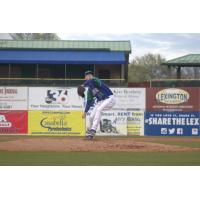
(80,144)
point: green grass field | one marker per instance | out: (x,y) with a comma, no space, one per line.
(8,158)
(94,158)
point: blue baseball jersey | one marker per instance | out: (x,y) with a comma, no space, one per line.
(98,90)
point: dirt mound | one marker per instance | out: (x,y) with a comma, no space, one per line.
(97,145)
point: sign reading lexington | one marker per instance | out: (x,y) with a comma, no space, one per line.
(173,99)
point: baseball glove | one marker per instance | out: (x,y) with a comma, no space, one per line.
(80,91)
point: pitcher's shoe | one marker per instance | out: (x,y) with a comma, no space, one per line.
(87,131)
(90,134)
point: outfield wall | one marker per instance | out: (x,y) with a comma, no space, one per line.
(138,111)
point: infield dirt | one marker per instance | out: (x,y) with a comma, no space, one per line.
(69,144)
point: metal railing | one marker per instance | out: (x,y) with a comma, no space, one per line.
(54,82)
(175,83)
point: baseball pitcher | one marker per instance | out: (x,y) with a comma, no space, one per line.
(98,90)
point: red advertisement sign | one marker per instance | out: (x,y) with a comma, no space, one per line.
(173,99)
(13,122)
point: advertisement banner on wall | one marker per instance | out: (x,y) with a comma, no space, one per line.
(172,123)
(135,122)
(133,98)
(54,98)
(113,123)
(69,123)
(173,99)
(13,98)
(13,122)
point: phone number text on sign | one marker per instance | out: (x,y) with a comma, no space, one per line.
(13,98)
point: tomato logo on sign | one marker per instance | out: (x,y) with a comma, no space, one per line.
(56,97)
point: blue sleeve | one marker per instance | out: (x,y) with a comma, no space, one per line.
(87,83)
(88,105)
(95,82)
(90,100)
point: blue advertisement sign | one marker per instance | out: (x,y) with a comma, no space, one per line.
(172,123)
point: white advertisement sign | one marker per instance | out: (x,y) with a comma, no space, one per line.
(113,123)
(135,122)
(13,98)
(129,98)
(54,98)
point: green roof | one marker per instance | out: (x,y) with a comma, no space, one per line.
(67,44)
(187,60)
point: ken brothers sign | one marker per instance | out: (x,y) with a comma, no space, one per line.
(173,99)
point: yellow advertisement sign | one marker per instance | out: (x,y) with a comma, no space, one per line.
(135,123)
(68,123)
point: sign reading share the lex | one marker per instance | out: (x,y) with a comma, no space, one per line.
(172,123)
(172,111)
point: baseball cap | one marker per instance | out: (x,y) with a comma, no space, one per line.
(88,72)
